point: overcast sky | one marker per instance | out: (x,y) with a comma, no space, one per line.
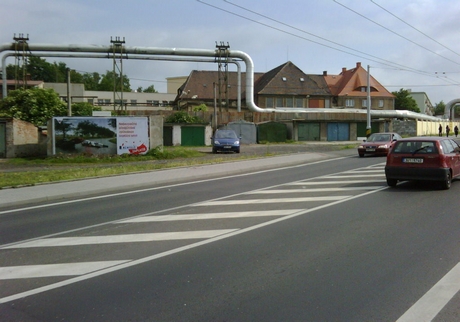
(407,44)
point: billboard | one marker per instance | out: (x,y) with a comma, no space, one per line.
(100,135)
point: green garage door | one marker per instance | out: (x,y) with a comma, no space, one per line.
(192,135)
(2,140)
(308,131)
(361,128)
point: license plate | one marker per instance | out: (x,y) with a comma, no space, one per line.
(370,150)
(227,147)
(412,160)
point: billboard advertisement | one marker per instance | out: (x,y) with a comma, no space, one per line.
(100,135)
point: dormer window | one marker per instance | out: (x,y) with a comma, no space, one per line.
(284,79)
(302,79)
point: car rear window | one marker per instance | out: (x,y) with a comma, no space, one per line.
(422,147)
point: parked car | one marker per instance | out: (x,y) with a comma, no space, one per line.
(378,143)
(225,140)
(423,158)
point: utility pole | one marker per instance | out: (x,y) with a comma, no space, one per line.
(368,127)
(222,60)
(20,48)
(117,48)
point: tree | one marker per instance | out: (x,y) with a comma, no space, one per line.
(107,82)
(34,105)
(84,109)
(150,89)
(404,101)
(439,108)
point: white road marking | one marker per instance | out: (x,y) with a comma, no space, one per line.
(66,269)
(318,183)
(219,215)
(281,191)
(130,238)
(172,251)
(264,201)
(430,304)
(362,175)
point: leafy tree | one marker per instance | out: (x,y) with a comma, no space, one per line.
(183,117)
(439,108)
(34,105)
(84,109)
(150,89)
(202,107)
(404,101)
(91,81)
(107,82)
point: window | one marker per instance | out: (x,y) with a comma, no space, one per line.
(133,102)
(299,102)
(289,102)
(349,102)
(269,102)
(279,102)
(381,103)
(100,101)
(364,103)
(91,101)
(149,103)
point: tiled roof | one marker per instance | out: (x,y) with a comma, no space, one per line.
(199,84)
(349,82)
(288,79)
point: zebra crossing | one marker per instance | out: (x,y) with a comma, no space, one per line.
(41,264)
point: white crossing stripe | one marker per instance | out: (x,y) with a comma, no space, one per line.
(312,190)
(361,175)
(66,269)
(130,238)
(219,215)
(278,200)
(317,183)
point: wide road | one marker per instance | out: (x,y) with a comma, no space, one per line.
(323,241)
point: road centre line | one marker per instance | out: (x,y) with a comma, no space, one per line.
(128,238)
(219,215)
(430,304)
(264,201)
(174,251)
(52,270)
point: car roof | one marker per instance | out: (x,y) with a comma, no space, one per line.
(424,138)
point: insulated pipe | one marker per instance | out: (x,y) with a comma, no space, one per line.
(232,61)
(207,53)
(151,51)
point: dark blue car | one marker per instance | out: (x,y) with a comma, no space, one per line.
(225,141)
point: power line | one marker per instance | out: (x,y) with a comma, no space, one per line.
(385,62)
(421,32)
(393,32)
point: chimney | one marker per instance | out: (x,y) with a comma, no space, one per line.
(358,64)
(344,69)
(325,73)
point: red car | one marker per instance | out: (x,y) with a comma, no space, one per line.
(423,158)
(378,143)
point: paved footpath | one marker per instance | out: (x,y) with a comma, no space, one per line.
(79,188)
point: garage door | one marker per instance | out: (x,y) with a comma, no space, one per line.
(192,136)
(308,131)
(338,131)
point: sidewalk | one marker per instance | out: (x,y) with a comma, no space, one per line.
(80,188)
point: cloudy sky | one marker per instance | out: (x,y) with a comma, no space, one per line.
(407,44)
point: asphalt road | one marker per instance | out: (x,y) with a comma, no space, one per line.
(319,240)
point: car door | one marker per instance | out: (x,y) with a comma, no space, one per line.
(455,158)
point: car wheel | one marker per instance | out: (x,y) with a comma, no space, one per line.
(361,155)
(237,151)
(447,181)
(392,182)
(214,151)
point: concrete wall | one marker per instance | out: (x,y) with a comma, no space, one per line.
(156,131)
